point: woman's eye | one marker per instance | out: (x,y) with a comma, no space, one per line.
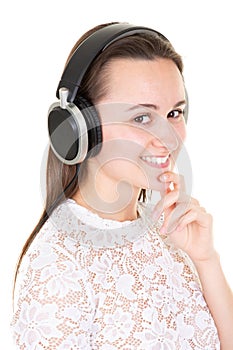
(142,119)
(176,114)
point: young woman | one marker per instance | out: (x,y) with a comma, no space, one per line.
(105,268)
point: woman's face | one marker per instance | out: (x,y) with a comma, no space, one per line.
(142,122)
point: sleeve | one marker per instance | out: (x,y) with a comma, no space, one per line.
(53,308)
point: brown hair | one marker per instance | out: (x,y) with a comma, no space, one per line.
(94,86)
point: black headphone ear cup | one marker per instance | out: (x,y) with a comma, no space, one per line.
(75,131)
(68,133)
(93,124)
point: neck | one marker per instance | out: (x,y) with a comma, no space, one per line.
(108,199)
(128,213)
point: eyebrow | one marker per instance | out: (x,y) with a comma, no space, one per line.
(155,107)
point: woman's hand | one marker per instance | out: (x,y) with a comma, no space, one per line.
(188,225)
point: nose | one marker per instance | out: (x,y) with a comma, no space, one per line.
(164,135)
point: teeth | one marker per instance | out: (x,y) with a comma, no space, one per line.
(155,160)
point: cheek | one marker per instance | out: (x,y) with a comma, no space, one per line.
(122,132)
(181,136)
(181,131)
(120,149)
(122,142)
(120,152)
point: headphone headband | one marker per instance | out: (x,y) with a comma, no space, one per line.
(90,48)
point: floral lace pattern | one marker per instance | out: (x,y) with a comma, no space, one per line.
(92,283)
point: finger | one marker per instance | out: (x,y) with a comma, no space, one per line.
(176,180)
(166,202)
(199,216)
(168,178)
(172,220)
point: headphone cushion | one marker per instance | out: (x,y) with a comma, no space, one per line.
(93,123)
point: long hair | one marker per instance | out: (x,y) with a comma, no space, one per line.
(94,86)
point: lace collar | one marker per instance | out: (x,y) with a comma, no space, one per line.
(90,229)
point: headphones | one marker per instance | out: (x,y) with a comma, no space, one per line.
(74,128)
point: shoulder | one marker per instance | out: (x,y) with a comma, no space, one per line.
(52,253)
(51,281)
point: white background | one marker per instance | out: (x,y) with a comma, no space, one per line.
(36,37)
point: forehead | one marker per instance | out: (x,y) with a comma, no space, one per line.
(134,81)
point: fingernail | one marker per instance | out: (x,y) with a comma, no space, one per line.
(163,230)
(164,177)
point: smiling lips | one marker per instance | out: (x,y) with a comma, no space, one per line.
(157,162)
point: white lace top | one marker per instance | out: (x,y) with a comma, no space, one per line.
(91,283)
